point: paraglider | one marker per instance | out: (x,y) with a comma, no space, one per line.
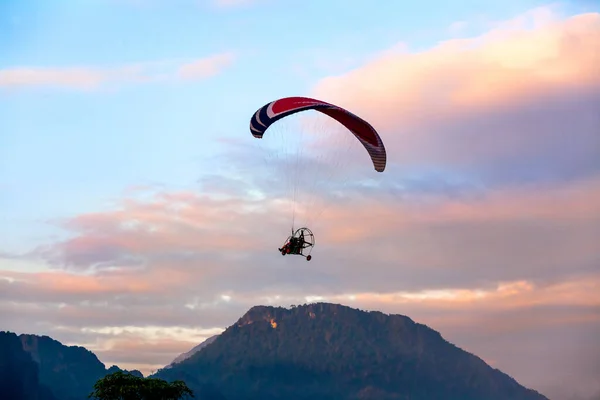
(302,240)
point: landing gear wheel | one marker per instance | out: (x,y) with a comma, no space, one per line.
(308,257)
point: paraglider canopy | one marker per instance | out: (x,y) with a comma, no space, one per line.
(362,130)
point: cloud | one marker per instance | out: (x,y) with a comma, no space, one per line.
(147,336)
(152,345)
(532,19)
(174,225)
(413,241)
(93,78)
(188,244)
(496,67)
(80,78)
(206,67)
(516,104)
(478,236)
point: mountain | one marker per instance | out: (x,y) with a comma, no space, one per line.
(324,351)
(19,374)
(329,351)
(70,371)
(193,351)
(40,368)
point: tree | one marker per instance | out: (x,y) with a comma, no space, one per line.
(124,386)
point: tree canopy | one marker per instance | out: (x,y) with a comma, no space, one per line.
(125,386)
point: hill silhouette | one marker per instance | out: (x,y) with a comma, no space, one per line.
(329,351)
(322,350)
(41,368)
(19,373)
(70,371)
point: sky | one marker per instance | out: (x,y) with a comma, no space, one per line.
(138,215)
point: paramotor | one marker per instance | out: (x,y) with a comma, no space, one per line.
(301,241)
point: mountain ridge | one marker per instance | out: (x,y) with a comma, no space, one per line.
(317,350)
(332,351)
(39,367)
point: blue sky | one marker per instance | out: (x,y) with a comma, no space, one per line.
(66,151)
(484,189)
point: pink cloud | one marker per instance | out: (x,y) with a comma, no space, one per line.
(65,283)
(167,242)
(517,103)
(205,68)
(175,222)
(459,308)
(505,65)
(92,78)
(578,200)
